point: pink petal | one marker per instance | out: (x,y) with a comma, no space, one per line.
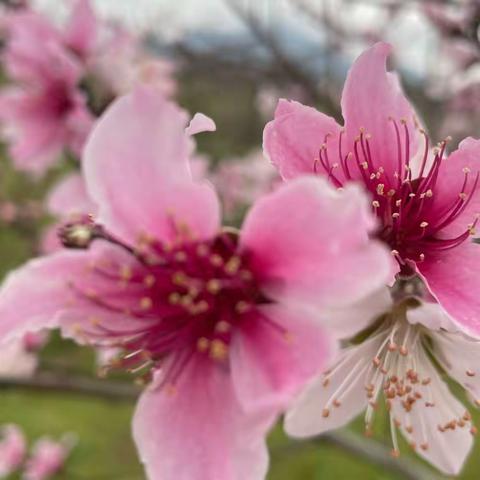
(309,243)
(81,30)
(44,282)
(452,278)
(13,448)
(69,197)
(137,171)
(450,182)
(16,361)
(446,450)
(371,96)
(278,350)
(293,139)
(315,412)
(200,123)
(203,420)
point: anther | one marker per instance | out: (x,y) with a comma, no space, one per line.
(214,286)
(149,280)
(325,412)
(218,350)
(203,344)
(146,303)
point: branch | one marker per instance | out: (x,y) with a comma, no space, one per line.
(350,442)
(294,71)
(74,384)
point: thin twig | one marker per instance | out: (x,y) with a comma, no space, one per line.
(350,442)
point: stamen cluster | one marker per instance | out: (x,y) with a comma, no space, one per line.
(411,220)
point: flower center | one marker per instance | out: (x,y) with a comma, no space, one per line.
(411,220)
(182,301)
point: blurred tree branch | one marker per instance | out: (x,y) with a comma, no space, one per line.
(350,442)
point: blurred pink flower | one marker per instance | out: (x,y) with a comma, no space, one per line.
(241,181)
(44,112)
(13,448)
(55,70)
(225,324)
(427,206)
(123,63)
(47,458)
(19,357)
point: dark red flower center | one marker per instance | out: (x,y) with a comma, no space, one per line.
(185,300)
(412,220)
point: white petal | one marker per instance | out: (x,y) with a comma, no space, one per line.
(447,449)
(315,412)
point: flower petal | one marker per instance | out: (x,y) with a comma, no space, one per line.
(81,30)
(347,321)
(458,355)
(32,297)
(277,351)
(69,197)
(293,139)
(424,426)
(452,278)
(463,164)
(137,171)
(309,243)
(202,418)
(16,361)
(337,396)
(200,123)
(371,96)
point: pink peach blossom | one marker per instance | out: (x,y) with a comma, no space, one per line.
(242,181)
(47,458)
(226,325)
(45,112)
(13,448)
(427,204)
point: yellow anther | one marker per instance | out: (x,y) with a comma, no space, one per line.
(179,278)
(216,260)
(174,298)
(126,272)
(222,327)
(214,286)
(149,280)
(376,204)
(218,350)
(146,303)
(380,188)
(424,225)
(233,265)
(242,307)
(203,344)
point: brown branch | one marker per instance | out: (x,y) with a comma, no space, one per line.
(49,382)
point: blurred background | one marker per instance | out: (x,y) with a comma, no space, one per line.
(231,60)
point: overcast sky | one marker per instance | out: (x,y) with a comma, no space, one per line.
(173,18)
